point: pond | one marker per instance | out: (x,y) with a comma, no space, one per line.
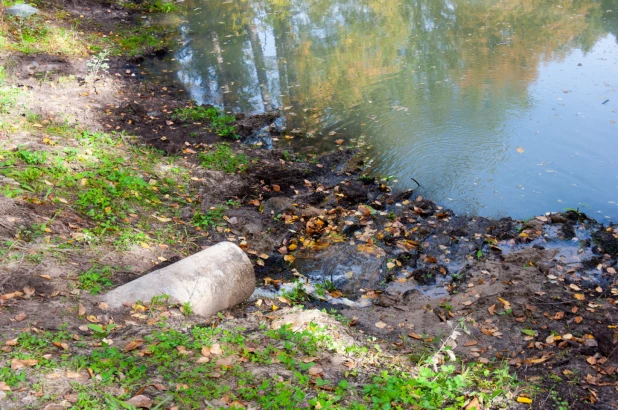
(496,108)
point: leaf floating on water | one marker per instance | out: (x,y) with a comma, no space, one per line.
(520,150)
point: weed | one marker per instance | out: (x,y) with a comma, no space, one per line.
(96,279)
(98,63)
(220,123)
(159,6)
(212,217)
(186,309)
(297,294)
(222,158)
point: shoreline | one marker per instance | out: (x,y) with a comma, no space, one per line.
(105,177)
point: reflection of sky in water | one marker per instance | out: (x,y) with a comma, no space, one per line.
(446,92)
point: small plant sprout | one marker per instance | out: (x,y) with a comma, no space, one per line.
(97,64)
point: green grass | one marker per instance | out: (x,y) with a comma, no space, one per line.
(96,279)
(219,123)
(100,177)
(140,41)
(222,158)
(171,357)
(211,219)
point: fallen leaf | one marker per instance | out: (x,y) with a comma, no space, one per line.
(415,336)
(140,401)
(62,345)
(315,370)
(21,317)
(11,342)
(226,361)
(205,351)
(505,303)
(81,310)
(216,349)
(18,364)
(4,387)
(525,400)
(492,309)
(520,150)
(575,287)
(579,296)
(133,345)
(380,325)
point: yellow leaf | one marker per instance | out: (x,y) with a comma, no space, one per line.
(289,258)
(144,245)
(520,150)
(522,399)
(579,296)
(505,303)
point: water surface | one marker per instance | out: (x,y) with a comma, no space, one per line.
(496,107)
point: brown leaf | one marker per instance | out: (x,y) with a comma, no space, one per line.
(492,309)
(226,361)
(579,296)
(21,317)
(4,387)
(216,349)
(415,336)
(18,364)
(473,405)
(309,359)
(11,342)
(28,291)
(315,370)
(81,310)
(205,351)
(380,325)
(62,345)
(132,345)
(140,401)
(505,303)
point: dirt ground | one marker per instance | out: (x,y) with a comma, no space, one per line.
(539,294)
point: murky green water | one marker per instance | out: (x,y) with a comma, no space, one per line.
(495,107)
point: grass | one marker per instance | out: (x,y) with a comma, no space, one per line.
(211,219)
(98,176)
(64,35)
(170,356)
(96,279)
(222,158)
(219,123)
(140,41)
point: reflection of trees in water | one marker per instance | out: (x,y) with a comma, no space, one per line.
(332,54)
